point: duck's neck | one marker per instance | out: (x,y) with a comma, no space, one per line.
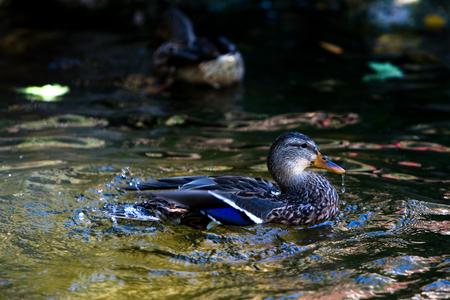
(295,183)
(182,30)
(174,26)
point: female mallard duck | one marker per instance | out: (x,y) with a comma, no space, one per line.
(185,57)
(300,198)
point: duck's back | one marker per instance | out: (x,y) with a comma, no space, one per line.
(205,182)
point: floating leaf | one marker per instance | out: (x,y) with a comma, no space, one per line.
(47,92)
(175,120)
(434,22)
(383,71)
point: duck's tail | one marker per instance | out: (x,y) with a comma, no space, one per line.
(133,212)
(148,212)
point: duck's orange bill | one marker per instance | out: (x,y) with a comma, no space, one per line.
(323,163)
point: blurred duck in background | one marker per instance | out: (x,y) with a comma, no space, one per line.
(197,60)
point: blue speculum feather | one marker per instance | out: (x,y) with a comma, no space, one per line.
(228,215)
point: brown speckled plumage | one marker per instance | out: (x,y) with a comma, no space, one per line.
(316,202)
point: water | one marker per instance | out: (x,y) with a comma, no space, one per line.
(61,162)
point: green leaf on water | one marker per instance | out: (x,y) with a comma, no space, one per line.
(48,92)
(383,71)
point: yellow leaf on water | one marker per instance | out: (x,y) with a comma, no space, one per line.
(331,47)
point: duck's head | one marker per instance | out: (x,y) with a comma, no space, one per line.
(290,154)
(175,26)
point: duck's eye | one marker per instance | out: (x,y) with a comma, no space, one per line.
(304,145)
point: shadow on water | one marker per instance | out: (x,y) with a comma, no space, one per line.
(62,162)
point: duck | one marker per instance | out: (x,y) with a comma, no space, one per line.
(183,56)
(297,197)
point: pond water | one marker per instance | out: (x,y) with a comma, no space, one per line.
(62,162)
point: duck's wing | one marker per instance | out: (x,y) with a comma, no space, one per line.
(224,207)
(227,199)
(243,184)
(165,183)
(243,208)
(204,182)
(219,44)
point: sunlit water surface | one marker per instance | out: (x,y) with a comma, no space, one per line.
(392,235)
(61,163)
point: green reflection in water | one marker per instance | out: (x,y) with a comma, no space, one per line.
(34,164)
(61,121)
(56,142)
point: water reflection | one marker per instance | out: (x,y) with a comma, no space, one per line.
(49,143)
(174,155)
(290,121)
(191,98)
(437,128)
(351,256)
(31,164)
(386,167)
(59,121)
(404,265)
(440,289)
(406,145)
(410,164)
(207,99)
(203,143)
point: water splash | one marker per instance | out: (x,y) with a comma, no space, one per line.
(343,184)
